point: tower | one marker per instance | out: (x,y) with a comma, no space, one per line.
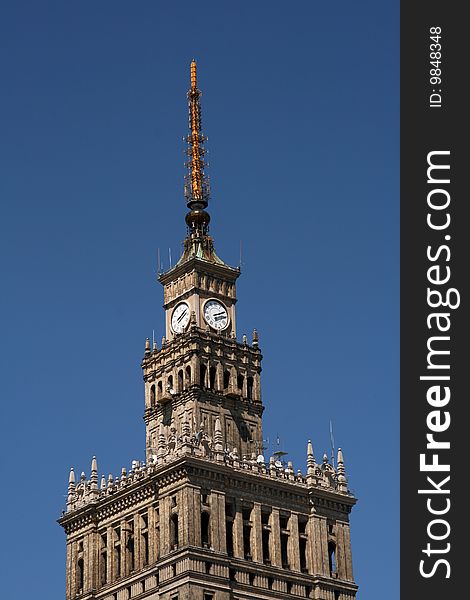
(206,516)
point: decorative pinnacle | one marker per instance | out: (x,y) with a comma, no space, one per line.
(94,474)
(310,456)
(196,188)
(72,478)
(340,460)
(342,481)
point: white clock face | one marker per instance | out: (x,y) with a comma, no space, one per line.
(180,317)
(216,314)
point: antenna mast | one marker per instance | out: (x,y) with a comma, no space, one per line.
(332,441)
(196,182)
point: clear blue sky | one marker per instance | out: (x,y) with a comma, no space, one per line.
(300,103)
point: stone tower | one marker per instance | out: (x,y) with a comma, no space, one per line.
(206,516)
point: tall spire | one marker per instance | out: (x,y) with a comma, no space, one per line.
(198,243)
(196,189)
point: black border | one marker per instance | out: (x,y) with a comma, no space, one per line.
(425,129)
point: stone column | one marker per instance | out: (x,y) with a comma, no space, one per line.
(293,544)
(219,377)
(110,554)
(343,551)
(88,565)
(69,578)
(256,387)
(197,508)
(318,545)
(217,522)
(152,535)
(310,546)
(245,385)
(233,389)
(92,560)
(164,526)
(123,540)
(138,558)
(184,517)
(73,573)
(324,545)
(275,539)
(256,533)
(238,530)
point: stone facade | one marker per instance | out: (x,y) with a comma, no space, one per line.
(207,516)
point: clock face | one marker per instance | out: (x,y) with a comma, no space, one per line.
(216,314)
(180,317)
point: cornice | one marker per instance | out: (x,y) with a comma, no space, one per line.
(220,475)
(197,264)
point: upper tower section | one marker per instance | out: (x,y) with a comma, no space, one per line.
(200,286)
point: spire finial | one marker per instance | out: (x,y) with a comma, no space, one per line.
(341,473)
(94,475)
(71,489)
(196,187)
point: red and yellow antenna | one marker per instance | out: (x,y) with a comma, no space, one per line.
(196,188)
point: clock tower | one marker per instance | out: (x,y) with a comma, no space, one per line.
(202,375)
(206,516)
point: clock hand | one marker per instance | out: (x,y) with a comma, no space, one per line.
(183,314)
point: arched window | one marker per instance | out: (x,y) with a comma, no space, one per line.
(332,556)
(80,575)
(229,536)
(247,541)
(240,380)
(170,380)
(249,388)
(246,516)
(117,552)
(152,396)
(226,380)
(303,554)
(202,375)
(130,552)
(180,381)
(174,533)
(159,389)
(265,543)
(103,567)
(284,550)
(212,374)
(188,376)
(265,536)
(205,536)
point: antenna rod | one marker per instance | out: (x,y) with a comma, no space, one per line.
(332,440)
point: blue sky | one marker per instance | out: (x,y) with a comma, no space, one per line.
(300,103)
